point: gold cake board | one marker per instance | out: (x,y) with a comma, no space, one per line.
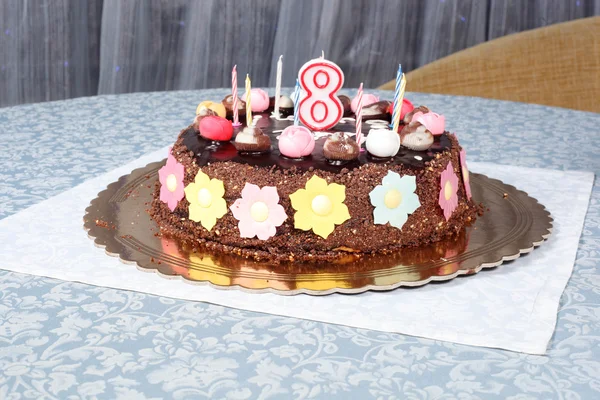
(513,224)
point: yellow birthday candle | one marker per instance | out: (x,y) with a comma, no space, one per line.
(248,97)
(398,104)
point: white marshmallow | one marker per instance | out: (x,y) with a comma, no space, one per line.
(383,142)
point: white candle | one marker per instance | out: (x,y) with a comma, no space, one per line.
(278,86)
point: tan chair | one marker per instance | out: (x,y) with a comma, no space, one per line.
(558,65)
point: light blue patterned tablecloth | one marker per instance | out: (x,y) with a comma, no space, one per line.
(67,340)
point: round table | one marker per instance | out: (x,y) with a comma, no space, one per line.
(61,339)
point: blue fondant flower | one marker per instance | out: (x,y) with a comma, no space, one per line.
(394,199)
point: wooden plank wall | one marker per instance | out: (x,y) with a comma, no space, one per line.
(56,49)
(48,50)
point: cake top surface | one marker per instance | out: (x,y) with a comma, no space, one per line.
(209,151)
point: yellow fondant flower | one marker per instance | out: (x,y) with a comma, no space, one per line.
(319,206)
(206,200)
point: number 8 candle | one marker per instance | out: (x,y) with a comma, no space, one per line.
(320,108)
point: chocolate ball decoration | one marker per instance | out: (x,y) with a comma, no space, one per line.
(346,104)
(378,110)
(416,137)
(286,104)
(228,103)
(252,140)
(340,147)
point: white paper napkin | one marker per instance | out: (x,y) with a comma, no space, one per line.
(512,307)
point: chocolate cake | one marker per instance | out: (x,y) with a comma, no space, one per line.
(273,192)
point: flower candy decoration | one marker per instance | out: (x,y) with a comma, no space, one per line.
(320,206)
(449,186)
(258,211)
(296,142)
(394,199)
(259,99)
(435,123)
(465,173)
(171,182)
(206,200)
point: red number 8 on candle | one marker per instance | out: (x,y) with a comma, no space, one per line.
(320,109)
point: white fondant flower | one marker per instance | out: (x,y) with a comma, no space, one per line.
(394,199)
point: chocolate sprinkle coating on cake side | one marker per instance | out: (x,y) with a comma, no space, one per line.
(358,235)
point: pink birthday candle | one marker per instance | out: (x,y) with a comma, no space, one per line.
(234,93)
(358,116)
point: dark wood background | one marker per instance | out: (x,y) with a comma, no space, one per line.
(57,49)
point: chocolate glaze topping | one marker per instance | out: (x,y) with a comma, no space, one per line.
(207,151)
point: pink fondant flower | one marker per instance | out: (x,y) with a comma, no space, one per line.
(448,188)
(258,211)
(435,123)
(259,100)
(171,182)
(465,173)
(296,141)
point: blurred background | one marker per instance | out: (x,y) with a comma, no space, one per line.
(58,49)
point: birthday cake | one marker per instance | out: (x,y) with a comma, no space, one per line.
(317,177)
